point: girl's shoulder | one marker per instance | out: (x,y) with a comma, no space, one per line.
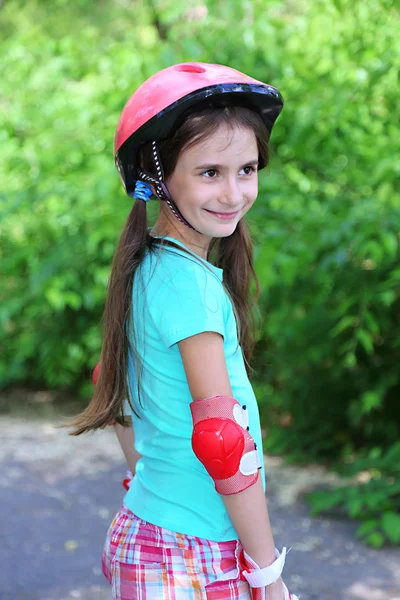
(183,296)
(166,263)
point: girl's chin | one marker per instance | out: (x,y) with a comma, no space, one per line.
(219,232)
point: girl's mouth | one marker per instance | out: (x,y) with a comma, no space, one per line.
(225,216)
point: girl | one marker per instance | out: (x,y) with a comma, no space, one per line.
(178,340)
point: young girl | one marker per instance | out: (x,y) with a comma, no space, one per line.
(178,340)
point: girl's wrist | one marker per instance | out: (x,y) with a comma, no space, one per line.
(275,590)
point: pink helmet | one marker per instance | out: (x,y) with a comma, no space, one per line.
(159,103)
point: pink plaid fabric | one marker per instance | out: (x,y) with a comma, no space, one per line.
(146,562)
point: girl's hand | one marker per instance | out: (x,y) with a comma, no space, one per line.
(288,596)
(128,480)
(255,575)
(274,591)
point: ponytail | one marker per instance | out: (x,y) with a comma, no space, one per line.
(112,389)
(234,255)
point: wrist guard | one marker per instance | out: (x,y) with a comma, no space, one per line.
(259,579)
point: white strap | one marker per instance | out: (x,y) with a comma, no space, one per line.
(262,577)
(241,416)
(250,463)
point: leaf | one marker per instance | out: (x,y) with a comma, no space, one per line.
(350,360)
(391,526)
(375,539)
(393,454)
(376,500)
(365,340)
(355,506)
(371,321)
(322,501)
(55,298)
(387,297)
(372,250)
(367,527)
(345,323)
(390,243)
(369,401)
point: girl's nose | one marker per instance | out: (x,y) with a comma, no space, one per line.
(232,194)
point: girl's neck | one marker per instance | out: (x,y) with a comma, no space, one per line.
(196,242)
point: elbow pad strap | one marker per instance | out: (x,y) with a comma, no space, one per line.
(223,444)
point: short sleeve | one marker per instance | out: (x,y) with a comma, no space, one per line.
(190,302)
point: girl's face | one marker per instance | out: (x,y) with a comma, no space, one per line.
(215,182)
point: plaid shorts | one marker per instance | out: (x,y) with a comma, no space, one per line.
(146,562)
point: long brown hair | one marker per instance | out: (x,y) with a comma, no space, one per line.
(233,254)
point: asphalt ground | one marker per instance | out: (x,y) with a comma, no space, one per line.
(58,495)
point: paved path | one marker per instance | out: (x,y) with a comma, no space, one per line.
(58,495)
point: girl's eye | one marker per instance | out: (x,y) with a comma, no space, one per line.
(248,170)
(210,173)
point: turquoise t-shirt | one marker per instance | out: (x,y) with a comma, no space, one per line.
(176,296)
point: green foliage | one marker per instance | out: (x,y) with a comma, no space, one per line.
(63,207)
(326,223)
(329,347)
(374,500)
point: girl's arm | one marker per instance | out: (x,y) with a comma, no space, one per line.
(204,361)
(126,439)
(125,435)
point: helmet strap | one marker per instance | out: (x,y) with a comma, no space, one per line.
(161,188)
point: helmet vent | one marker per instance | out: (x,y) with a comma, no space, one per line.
(188,68)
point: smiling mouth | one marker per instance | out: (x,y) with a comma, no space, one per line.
(223,214)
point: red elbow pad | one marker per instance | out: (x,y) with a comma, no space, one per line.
(223,444)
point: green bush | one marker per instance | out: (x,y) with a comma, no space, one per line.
(326,224)
(63,207)
(373,496)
